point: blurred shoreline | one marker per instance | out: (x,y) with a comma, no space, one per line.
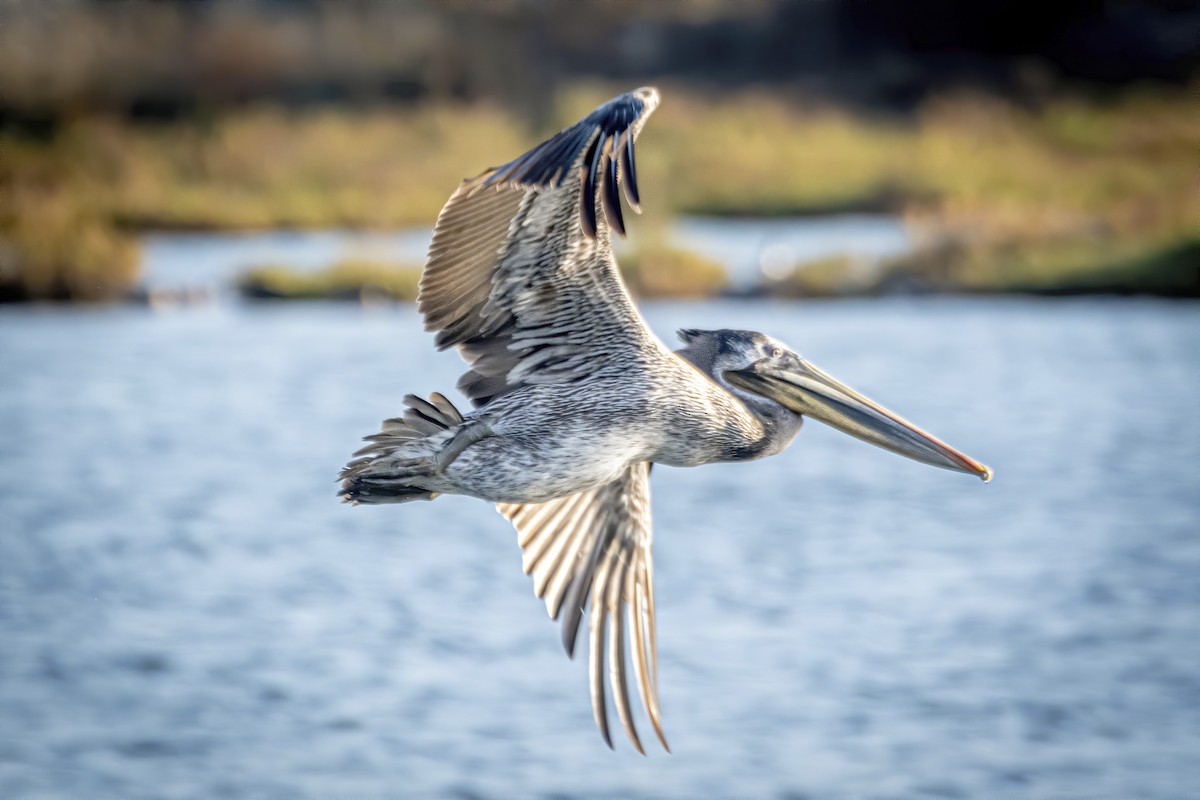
(1033,161)
(997,198)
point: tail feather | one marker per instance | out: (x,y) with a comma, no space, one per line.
(437,410)
(378,473)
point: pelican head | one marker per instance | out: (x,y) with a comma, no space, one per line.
(756,367)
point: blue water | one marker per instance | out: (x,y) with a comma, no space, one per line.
(187,612)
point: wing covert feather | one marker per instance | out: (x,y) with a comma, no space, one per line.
(521,270)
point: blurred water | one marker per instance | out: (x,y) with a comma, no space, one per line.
(187,612)
(750,247)
(743,246)
(215,259)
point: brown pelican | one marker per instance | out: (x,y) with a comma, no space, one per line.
(574,398)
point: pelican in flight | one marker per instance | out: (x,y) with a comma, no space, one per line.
(574,398)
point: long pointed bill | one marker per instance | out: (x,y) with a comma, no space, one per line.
(803,388)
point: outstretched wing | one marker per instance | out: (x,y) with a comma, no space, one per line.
(521,276)
(597,544)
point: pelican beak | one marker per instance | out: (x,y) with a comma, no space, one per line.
(801,387)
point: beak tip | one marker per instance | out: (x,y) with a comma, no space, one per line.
(985,473)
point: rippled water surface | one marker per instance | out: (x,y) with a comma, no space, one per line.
(187,612)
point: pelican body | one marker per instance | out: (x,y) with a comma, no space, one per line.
(573,398)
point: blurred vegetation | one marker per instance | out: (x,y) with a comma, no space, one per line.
(64,252)
(834,276)
(1070,164)
(1067,193)
(1070,195)
(1171,271)
(652,271)
(174,58)
(658,270)
(355,279)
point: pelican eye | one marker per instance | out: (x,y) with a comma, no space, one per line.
(775,352)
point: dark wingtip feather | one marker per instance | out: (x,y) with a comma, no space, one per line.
(587,209)
(570,627)
(607,738)
(549,163)
(627,167)
(612,203)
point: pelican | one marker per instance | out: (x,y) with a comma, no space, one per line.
(574,398)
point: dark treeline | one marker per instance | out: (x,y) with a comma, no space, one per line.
(167,59)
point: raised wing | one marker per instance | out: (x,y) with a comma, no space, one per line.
(597,544)
(521,276)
